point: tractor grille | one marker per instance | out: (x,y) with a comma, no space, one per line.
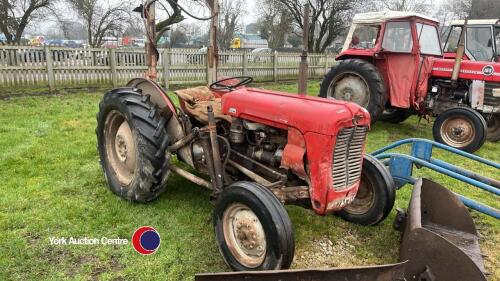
(347,156)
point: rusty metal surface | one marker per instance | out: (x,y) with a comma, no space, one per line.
(191,177)
(389,272)
(440,239)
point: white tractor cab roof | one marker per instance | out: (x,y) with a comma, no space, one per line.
(378,18)
(477,22)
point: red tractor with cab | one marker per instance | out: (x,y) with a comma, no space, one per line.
(392,64)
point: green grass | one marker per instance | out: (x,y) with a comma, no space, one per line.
(51,185)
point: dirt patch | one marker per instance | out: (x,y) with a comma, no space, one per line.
(323,253)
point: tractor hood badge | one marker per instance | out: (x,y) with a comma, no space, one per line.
(488,70)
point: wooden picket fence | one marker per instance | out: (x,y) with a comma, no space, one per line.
(58,67)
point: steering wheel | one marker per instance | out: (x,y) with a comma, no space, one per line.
(228,85)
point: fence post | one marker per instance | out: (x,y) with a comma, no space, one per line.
(166,68)
(275,66)
(112,65)
(245,64)
(326,62)
(50,68)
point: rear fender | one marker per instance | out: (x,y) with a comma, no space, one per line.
(158,95)
(175,128)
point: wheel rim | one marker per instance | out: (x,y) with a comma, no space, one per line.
(457,132)
(364,199)
(244,235)
(350,87)
(389,111)
(120,147)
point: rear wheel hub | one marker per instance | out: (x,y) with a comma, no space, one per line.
(120,147)
(350,87)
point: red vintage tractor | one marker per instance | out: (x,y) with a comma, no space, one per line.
(392,64)
(255,150)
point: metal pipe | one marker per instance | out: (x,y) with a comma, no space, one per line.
(208,159)
(479,207)
(465,200)
(438,145)
(273,172)
(442,170)
(303,67)
(466,173)
(249,173)
(212,130)
(191,177)
(184,141)
(459,54)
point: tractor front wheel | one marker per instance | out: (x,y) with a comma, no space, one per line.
(493,123)
(356,81)
(132,140)
(462,128)
(253,229)
(375,197)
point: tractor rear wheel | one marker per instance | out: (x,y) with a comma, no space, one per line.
(375,197)
(395,115)
(132,140)
(462,128)
(252,228)
(493,123)
(357,81)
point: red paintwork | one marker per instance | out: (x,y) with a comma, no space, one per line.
(405,87)
(293,154)
(469,70)
(300,115)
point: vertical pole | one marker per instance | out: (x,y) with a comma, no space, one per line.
(459,54)
(50,68)
(303,68)
(151,54)
(166,68)
(326,62)
(275,66)
(112,65)
(245,64)
(212,52)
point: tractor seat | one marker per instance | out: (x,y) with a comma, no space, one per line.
(194,102)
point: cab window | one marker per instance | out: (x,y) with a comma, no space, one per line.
(479,43)
(428,39)
(397,37)
(453,38)
(364,37)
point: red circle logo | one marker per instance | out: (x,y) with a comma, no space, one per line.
(146,240)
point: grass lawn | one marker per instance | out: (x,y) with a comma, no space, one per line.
(51,185)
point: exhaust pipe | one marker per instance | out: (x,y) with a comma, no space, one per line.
(459,54)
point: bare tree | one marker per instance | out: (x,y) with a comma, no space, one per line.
(329,19)
(101,19)
(15,15)
(417,6)
(229,16)
(484,9)
(275,23)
